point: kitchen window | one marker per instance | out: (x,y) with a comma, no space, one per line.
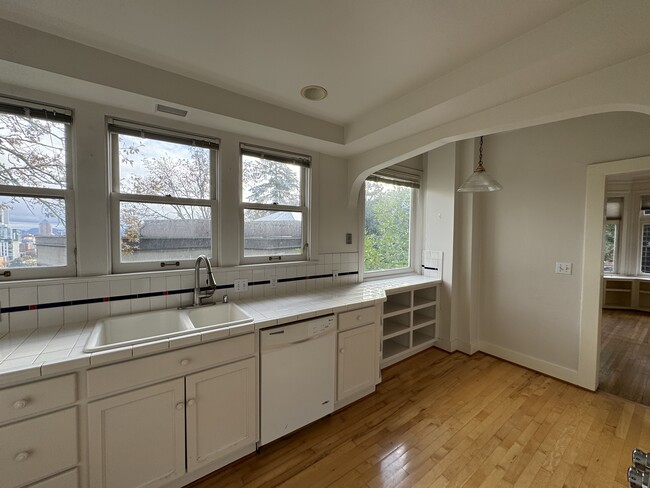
(36,195)
(274,205)
(164,202)
(389,209)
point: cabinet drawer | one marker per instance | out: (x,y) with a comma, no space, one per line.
(36,448)
(129,374)
(356,318)
(34,398)
(69,479)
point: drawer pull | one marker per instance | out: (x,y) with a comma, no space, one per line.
(185,362)
(21,456)
(179,406)
(190,403)
(20,404)
(359,317)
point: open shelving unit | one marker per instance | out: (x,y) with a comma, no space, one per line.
(409,322)
(626,293)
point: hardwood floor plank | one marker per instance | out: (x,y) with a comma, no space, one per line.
(443,420)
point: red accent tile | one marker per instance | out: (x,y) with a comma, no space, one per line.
(32,307)
(165,292)
(106,299)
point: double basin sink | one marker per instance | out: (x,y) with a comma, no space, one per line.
(125,330)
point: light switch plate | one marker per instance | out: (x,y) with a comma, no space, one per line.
(564,268)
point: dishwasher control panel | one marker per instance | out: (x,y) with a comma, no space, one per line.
(319,326)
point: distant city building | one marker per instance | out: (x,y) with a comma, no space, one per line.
(9,239)
(45,229)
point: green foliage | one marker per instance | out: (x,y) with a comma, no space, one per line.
(387,229)
(609,254)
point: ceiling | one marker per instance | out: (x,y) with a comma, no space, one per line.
(364,52)
(392,68)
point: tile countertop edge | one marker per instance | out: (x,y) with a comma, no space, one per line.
(276,310)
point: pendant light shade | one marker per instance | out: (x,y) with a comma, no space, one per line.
(479,180)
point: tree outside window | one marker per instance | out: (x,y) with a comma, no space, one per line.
(387,240)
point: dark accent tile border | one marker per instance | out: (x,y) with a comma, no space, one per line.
(152,294)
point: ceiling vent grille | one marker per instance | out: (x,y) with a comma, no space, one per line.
(171,110)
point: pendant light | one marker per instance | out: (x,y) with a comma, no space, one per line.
(479,180)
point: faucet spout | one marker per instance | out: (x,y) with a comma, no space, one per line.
(200,295)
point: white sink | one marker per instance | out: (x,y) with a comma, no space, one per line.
(124,330)
(217,316)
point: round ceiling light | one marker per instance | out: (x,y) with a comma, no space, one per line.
(313,92)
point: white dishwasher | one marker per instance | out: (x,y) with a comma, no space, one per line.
(298,374)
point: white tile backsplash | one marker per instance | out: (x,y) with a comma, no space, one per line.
(75,291)
(49,317)
(26,295)
(21,321)
(106,287)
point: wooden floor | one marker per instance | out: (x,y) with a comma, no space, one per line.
(625,355)
(442,419)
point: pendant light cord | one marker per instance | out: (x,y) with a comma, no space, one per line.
(480,152)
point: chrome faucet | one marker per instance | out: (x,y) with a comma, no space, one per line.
(199,295)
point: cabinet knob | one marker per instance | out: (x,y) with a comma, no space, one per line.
(179,406)
(358,317)
(190,403)
(19,404)
(21,456)
(185,362)
(342,350)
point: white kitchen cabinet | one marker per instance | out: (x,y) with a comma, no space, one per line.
(145,438)
(137,439)
(357,354)
(220,410)
(38,447)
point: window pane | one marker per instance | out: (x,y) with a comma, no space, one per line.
(266,181)
(154,232)
(387,227)
(32,232)
(269,233)
(645,249)
(609,254)
(32,152)
(151,167)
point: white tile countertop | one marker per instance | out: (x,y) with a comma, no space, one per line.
(41,352)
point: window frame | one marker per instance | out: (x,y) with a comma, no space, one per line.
(411,268)
(115,127)
(278,156)
(65,116)
(615,266)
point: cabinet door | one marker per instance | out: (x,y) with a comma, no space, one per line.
(137,439)
(221,412)
(356,361)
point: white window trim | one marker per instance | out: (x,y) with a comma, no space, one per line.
(117,197)
(304,209)
(68,195)
(413,235)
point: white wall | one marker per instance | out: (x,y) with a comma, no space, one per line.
(528,313)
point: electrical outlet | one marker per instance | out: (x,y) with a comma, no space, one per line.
(274,281)
(348,238)
(241,285)
(335,274)
(563,268)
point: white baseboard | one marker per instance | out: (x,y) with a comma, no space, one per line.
(550,369)
(456,345)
